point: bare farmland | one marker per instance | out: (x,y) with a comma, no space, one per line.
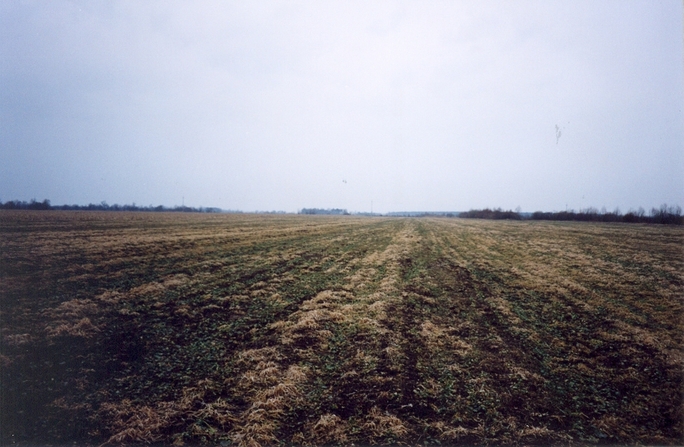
(129,328)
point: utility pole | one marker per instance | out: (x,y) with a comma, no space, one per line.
(371,207)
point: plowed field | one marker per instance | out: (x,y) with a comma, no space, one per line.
(131,328)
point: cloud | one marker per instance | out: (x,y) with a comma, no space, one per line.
(269,105)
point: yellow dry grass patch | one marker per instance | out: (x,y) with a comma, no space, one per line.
(381,424)
(137,424)
(271,390)
(158,287)
(438,338)
(72,318)
(328,429)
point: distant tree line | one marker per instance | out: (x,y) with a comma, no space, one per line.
(334,211)
(496,214)
(102,206)
(423,214)
(671,215)
(32,205)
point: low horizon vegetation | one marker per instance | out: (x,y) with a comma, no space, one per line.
(205,329)
(102,206)
(663,215)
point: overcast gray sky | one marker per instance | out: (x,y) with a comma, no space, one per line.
(282,105)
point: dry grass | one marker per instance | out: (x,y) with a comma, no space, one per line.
(142,328)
